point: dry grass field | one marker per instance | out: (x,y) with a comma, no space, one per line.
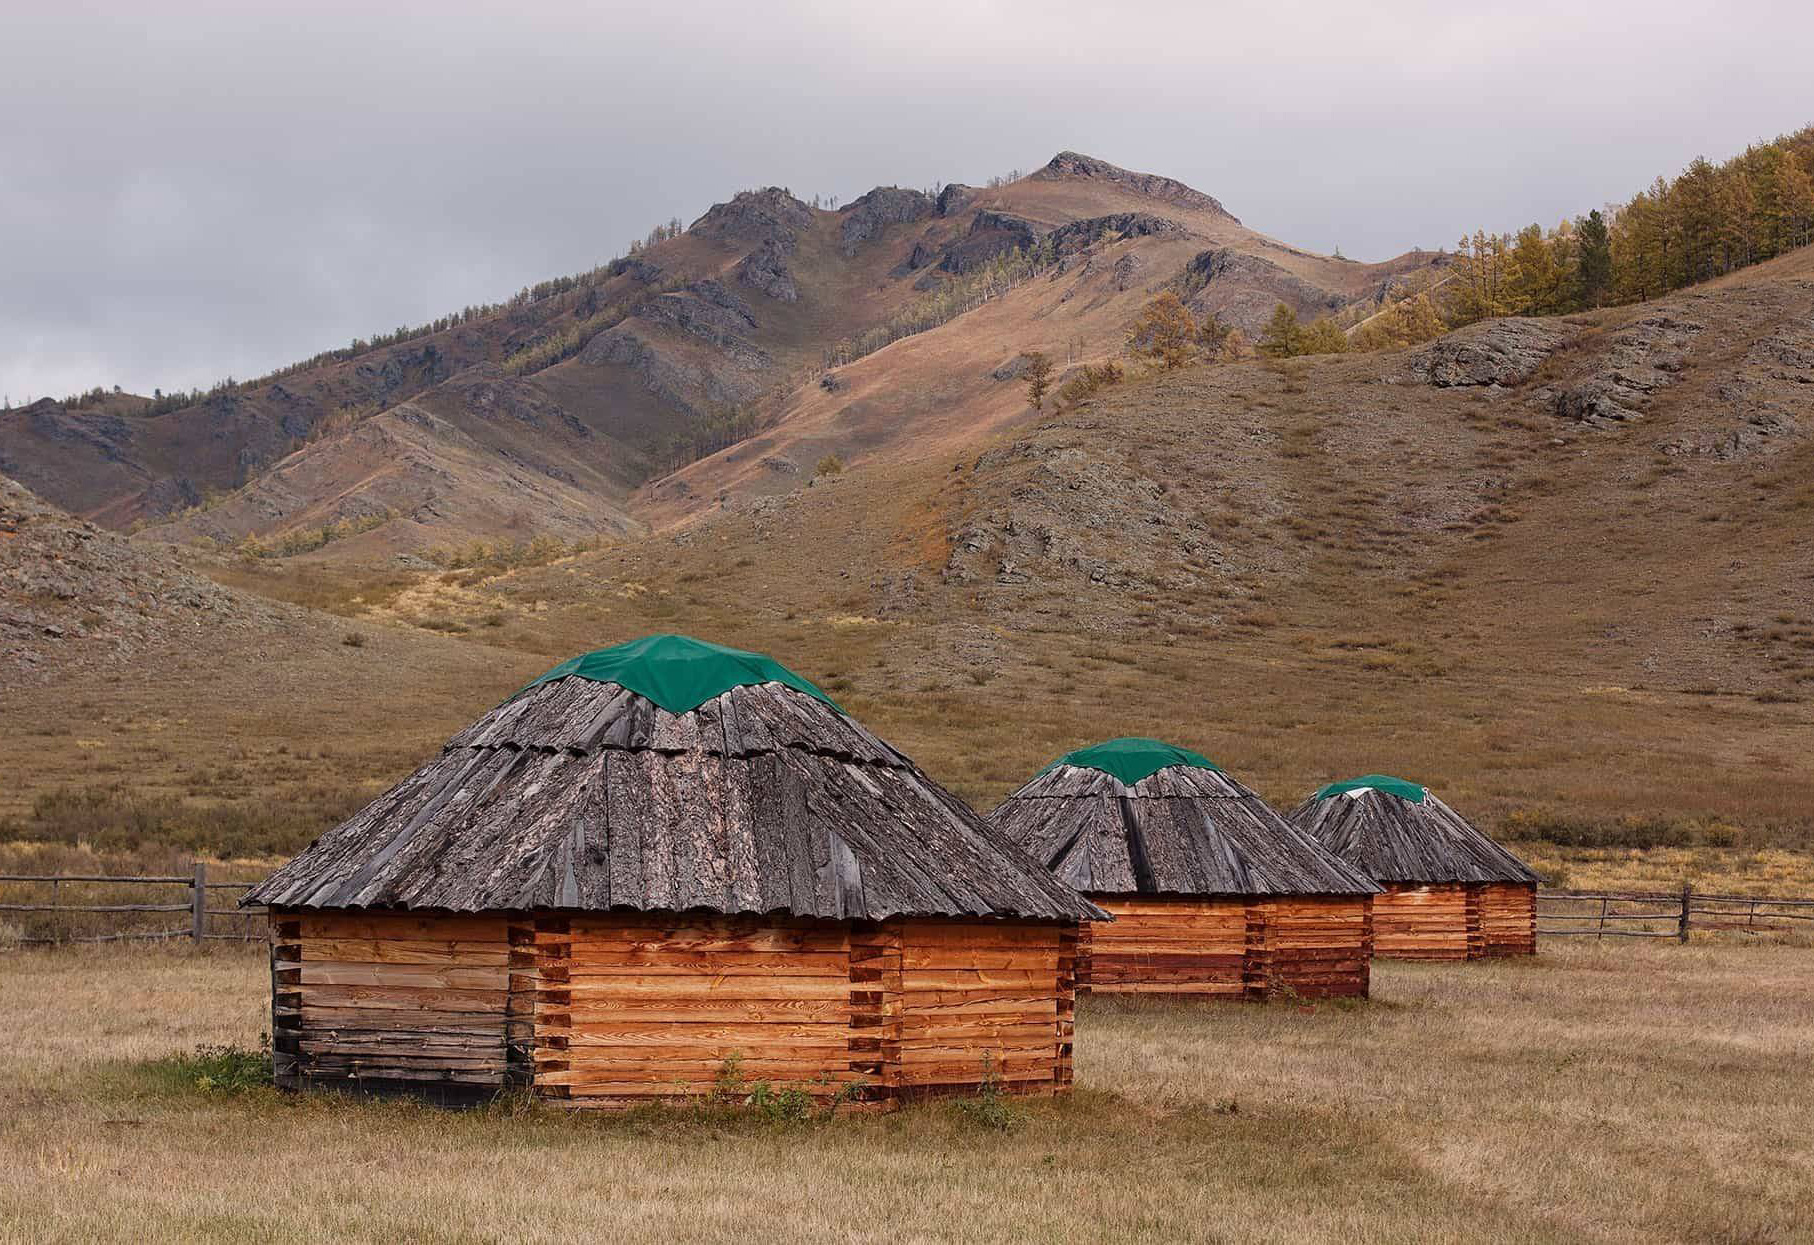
(1618,1093)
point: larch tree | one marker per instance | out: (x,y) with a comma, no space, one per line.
(1164,332)
(1038,374)
(1283,336)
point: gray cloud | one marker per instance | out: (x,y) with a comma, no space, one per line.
(189,190)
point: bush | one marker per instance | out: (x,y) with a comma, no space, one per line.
(830,465)
(1087,381)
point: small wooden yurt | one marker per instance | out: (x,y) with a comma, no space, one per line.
(658,869)
(1213,893)
(1451,893)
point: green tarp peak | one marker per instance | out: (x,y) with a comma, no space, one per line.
(1373,782)
(1132,759)
(678,672)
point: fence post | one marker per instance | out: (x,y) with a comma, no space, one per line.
(199,903)
(1681,929)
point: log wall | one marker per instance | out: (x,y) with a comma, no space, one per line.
(1166,946)
(1436,922)
(1508,918)
(1311,946)
(614,1009)
(985,1002)
(390,1002)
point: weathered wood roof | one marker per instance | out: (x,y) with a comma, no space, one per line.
(582,795)
(1395,840)
(1182,830)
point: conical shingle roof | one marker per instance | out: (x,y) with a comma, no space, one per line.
(582,793)
(1184,828)
(1397,831)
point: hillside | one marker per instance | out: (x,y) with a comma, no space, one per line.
(1562,568)
(554,413)
(1564,565)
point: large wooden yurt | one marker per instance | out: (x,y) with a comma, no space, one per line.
(1450,893)
(659,869)
(1214,894)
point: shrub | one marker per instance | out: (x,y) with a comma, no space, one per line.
(830,465)
(1088,380)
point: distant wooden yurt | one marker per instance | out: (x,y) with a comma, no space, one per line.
(658,870)
(1451,893)
(1214,894)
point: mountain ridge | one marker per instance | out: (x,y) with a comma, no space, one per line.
(725,323)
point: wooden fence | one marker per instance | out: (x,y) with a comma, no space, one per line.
(59,918)
(1665,914)
(51,915)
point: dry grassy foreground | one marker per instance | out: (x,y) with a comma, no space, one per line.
(1603,1094)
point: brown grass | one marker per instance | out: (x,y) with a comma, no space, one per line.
(1629,1093)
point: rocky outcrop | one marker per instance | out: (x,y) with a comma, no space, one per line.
(755,217)
(769,222)
(1073,164)
(868,216)
(713,314)
(991,234)
(1243,290)
(1078,234)
(1494,352)
(954,198)
(765,270)
(1638,360)
(638,270)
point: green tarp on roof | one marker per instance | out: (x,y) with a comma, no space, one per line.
(1131,758)
(678,672)
(1376,782)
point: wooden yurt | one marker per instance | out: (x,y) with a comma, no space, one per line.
(658,870)
(1450,892)
(1213,893)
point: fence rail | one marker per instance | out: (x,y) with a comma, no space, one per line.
(1560,914)
(1604,914)
(200,929)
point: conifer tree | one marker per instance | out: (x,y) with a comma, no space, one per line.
(1038,375)
(1283,336)
(1593,271)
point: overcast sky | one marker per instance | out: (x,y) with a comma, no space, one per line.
(190,190)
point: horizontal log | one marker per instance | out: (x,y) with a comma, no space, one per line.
(990,979)
(770,964)
(365,1077)
(426,976)
(471,954)
(689,986)
(602,1033)
(964,1004)
(707,1011)
(706,1072)
(405,998)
